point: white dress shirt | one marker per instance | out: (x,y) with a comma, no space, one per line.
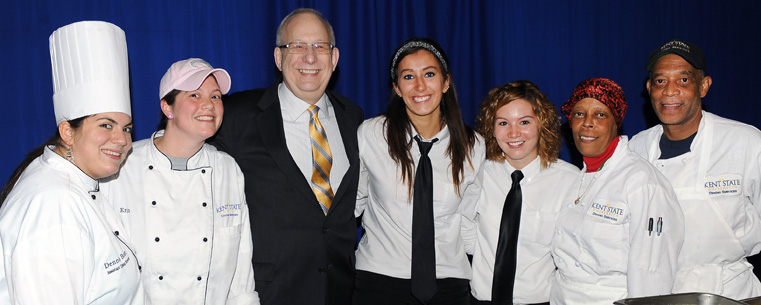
(296,126)
(386,247)
(543,193)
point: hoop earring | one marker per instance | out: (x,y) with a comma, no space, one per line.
(446,89)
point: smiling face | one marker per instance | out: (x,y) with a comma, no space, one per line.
(100,144)
(421,84)
(593,127)
(516,129)
(307,75)
(676,89)
(195,115)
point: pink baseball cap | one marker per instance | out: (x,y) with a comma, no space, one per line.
(189,74)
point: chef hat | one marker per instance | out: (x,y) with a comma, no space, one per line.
(90,70)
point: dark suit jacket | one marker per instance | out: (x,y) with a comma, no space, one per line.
(301,256)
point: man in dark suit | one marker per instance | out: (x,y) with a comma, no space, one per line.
(300,187)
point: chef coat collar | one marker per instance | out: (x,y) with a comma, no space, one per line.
(618,154)
(162,160)
(59,162)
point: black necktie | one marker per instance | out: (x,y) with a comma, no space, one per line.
(505,260)
(423,251)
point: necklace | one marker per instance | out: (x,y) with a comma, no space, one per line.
(587,189)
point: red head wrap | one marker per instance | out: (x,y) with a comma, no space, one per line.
(602,89)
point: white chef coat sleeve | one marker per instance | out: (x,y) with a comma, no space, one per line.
(751,238)
(652,262)
(468,209)
(754,189)
(52,261)
(242,286)
(362,188)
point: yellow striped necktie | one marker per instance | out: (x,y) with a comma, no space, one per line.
(322,161)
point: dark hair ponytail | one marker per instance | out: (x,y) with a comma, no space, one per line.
(55,140)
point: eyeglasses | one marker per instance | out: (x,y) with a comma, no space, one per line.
(301,47)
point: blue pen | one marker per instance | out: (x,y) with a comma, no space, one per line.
(650,227)
(660,226)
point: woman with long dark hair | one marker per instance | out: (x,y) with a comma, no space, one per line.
(419,171)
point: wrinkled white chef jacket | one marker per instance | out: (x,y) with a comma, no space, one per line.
(602,246)
(718,184)
(386,247)
(58,241)
(543,194)
(190,228)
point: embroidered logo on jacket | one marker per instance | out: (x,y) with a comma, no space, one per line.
(612,212)
(117,263)
(723,185)
(229,209)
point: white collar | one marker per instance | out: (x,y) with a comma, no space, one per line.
(294,107)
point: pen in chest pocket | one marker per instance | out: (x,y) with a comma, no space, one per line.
(659,227)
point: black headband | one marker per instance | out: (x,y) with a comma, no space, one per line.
(417,44)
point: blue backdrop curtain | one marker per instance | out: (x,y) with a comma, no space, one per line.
(555,44)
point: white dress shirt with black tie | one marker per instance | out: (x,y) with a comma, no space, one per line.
(543,193)
(386,247)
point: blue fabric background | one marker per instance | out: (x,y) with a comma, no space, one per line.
(555,44)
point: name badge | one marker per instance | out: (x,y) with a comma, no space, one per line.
(608,211)
(723,185)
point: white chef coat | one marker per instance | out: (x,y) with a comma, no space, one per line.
(603,248)
(543,193)
(386,247)
(718,184)
(58,241)
(190,227)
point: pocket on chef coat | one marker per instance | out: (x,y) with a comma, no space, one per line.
(541,227)
(603,244)
(230,232)
(227,242)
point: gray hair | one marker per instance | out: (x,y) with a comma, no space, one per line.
(280,29)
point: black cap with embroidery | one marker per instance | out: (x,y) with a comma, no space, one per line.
(690,52)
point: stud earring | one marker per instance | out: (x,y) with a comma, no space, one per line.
(169,116)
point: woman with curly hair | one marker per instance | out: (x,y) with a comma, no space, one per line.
(512,262)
